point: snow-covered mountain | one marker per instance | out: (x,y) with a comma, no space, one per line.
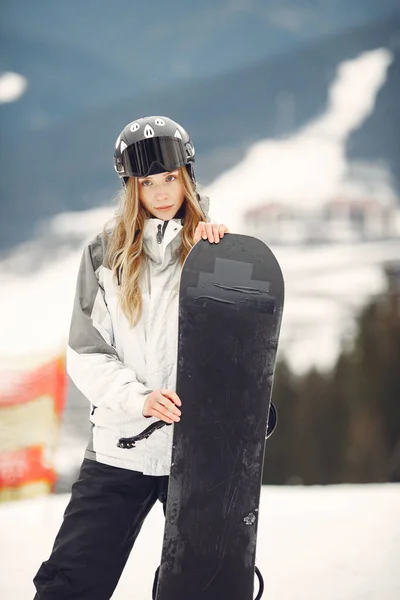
(324,284)
(57,139)
(309,167)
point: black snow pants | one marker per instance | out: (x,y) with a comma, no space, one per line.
(104,516)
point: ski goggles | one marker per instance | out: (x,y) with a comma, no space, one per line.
(154,155)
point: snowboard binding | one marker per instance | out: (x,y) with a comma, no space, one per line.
(272,420)
(260,583)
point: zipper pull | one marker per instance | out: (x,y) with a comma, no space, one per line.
(160,232)
(159,235)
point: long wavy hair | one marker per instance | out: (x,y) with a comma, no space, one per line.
(125,254)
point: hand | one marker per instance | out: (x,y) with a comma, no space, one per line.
(210,231)
(163,405)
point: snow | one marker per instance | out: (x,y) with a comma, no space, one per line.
(12,86)
(337,543)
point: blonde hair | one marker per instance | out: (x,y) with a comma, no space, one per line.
(125,246)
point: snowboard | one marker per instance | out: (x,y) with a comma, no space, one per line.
(230,310)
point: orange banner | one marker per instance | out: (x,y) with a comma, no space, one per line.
(31,405)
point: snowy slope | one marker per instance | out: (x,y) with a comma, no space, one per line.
(336,543)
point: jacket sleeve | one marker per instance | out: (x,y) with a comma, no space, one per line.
(92,360)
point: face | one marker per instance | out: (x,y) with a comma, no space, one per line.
(162,194)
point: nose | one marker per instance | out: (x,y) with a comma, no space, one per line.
(160,191)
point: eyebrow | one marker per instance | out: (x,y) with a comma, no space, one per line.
(175,171)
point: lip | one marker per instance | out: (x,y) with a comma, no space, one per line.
(164,207)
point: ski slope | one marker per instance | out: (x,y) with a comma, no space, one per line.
(335,542)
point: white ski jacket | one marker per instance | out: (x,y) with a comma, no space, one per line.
(115,365)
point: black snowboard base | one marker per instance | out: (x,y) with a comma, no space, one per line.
(230,309)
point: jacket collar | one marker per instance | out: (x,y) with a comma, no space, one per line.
(166,232)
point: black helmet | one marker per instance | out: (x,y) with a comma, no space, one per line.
(152,145)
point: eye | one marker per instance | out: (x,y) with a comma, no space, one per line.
(171,177)
(145,183)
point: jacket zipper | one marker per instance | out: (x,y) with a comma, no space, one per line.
(160,236)
(161,231)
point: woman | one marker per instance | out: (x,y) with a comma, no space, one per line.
(122,355)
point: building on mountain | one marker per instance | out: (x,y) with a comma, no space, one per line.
(341,219)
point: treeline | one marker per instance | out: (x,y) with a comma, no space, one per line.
(343,425)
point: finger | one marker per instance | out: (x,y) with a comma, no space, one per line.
(169,406)
(162,417)
(209,232)
(215,230)
(166,412)
(222,230)
(172,396)
(204,234)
